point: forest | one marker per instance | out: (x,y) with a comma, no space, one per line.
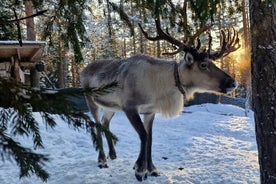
(83,31)
(78,32)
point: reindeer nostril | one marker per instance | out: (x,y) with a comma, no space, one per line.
(228,85)
(235,84)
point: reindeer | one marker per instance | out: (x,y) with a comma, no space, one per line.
(147,86)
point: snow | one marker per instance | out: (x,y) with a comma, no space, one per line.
(208,143)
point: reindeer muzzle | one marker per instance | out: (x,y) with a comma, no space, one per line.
(228,85)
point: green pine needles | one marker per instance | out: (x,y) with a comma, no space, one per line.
(17,106)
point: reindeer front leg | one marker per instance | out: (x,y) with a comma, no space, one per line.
(148,122)
(141,163)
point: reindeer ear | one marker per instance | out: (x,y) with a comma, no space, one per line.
(189,59)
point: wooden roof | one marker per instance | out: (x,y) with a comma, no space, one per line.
(30,51)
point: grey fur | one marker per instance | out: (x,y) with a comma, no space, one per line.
(146,86)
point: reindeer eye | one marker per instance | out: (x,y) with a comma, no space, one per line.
(204,65)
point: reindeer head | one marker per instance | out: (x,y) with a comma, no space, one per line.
(197,71)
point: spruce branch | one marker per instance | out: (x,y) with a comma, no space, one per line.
(18,104)
(28,161)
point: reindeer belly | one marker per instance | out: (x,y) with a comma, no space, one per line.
(109,103)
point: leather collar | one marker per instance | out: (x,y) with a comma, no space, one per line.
(177,80)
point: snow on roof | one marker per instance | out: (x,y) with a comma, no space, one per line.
(30,51)
(15,42)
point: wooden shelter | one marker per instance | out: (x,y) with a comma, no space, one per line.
(16,58)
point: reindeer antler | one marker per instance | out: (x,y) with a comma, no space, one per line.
(161,35)
(229,44)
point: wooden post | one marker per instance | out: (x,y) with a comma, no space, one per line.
(15,69)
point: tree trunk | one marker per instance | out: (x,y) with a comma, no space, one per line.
(245,24)
(30,21)
(61,65)
(158,49)
(142,42)
(263,69)
(124,51)
(111,50)
(31,35)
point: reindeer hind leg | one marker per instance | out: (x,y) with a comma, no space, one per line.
(106,122)
(95,111)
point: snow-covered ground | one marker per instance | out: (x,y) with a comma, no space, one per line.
(208,143)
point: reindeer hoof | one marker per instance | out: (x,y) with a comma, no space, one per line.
(112,156)
(102,165)
(140,176)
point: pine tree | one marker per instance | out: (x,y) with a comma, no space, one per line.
(68,17)
(7,31)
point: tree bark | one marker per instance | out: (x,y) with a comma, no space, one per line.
(61,65)
(263,70)
(245,24)
(31,35)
